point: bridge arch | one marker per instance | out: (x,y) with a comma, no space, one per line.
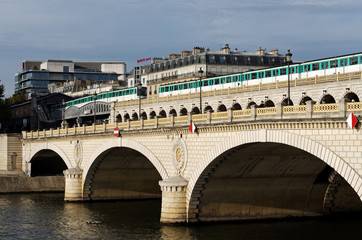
(138,168)
(288,139)
(51,147)
(128,144)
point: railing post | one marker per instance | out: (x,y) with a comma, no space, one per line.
(342,107)
(230,115)
(172,120)
(253,112)
(189,119)
(208,120)
(128,124)
(156,121)
(309,104)
(51,132)
(279,106)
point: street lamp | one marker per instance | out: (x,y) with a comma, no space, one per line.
(139,86)
(289,61)
(94,108)
(63,113)
(200,73)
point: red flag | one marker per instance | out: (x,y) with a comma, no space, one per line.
(192,127)
(148,59)
(352,120)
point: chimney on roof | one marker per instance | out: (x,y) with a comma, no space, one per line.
(185,53)
(226,49)
(197,50)
(274,52)
(261,51)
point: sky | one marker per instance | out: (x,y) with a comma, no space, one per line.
(127,30)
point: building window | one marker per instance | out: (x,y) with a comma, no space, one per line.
(222,59)
(65,68)
(211,59)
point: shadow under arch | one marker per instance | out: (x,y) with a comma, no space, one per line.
(330,166)
(54,148)
(122,169)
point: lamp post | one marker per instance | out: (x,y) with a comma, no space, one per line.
(289,61)
(139,86)
(200,73)
(94,108)
(63,114)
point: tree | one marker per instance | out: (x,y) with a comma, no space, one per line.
(4,109)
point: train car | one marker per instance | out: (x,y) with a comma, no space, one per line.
(108,97)
(321,67)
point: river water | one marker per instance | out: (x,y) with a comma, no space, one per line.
(47,216)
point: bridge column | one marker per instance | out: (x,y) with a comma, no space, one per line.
(73,184)
(173,209)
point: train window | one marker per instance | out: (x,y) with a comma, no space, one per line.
(205,83)
(175,87)
(283,71)
(306,68)
(342,62)
(166,89)
(268,74)
(315,66)
(228,79)
(324,65)
(353,61)
(216,81)
(333,63)
(253,76)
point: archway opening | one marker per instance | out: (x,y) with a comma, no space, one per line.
(173,112)
(122,173)
(195,110)
(47,163)
(144,115)
(252,103)
(162,114)
(221,108)
(270,180)
(208,108)
(152,115)
(135,116)
(126,117)
(269,103)
(285,102)
(119,118)
(351,97)
(326,99)
(304,100)
(183,112)
(236,106)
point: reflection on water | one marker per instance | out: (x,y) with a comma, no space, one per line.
(47,216)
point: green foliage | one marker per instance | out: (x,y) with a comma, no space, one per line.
(15,99)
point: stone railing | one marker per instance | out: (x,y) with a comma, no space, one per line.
(280,113)
(264,86)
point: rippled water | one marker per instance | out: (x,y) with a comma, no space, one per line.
(47,216)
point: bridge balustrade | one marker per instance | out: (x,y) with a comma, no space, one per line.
(318,111)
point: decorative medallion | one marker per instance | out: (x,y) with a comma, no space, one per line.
(179,155)
(78,153)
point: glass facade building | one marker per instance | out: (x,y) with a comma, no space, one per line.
(37,75)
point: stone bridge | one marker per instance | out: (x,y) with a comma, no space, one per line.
(254,163)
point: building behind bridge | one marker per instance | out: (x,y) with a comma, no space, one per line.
(36,76)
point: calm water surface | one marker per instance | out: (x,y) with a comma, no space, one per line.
(47,216)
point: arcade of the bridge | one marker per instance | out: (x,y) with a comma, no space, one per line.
(249,88)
